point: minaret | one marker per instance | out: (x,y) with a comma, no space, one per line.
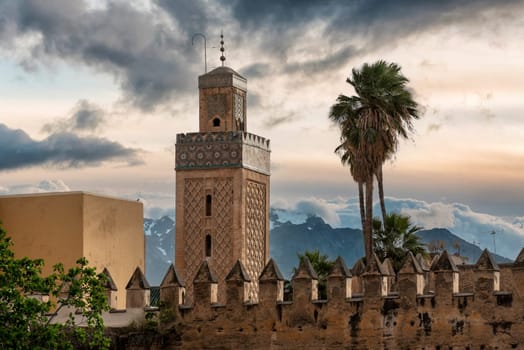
(222,186)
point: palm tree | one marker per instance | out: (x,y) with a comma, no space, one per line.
(344,112)
(395,237)
(348,151)
(322,265)
(371,123)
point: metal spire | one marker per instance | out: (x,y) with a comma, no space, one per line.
(222,58)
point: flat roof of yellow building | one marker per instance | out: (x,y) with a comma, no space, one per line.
(68,193)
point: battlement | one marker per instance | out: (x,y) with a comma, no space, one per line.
(223,137)
(366,307)
(222,149)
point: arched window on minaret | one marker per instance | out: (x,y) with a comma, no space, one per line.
(209,202)
(208,245)
(216,122)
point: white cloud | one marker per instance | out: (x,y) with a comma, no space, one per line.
(300,210)
(518,222)
(456,217)
(56,185)
(156,205)
(158,212)
(325,210)
(466,223)
(424,214)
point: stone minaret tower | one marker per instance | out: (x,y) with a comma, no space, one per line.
(222,186)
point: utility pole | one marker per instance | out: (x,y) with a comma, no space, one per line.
(493,234)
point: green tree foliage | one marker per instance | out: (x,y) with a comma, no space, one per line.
(322,266)
(371,123)
(27,299)
(395,238)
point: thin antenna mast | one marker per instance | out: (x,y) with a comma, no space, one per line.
(493,233)
(205,48)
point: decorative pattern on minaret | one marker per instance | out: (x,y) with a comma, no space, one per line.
(222,186)
(222,58)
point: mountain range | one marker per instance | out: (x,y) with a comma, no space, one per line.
(287,239)
(160,247)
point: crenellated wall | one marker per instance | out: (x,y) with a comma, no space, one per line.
(485,316)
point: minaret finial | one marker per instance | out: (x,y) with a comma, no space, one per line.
(222,58)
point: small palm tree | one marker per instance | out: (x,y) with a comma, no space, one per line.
(322,265)
(371,123)
(395,238)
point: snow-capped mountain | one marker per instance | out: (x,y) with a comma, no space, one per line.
(288,238)
(292,234)
(160,247)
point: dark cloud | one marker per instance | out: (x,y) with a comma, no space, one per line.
(275,121)
(86,116)
(322,64)
(149,51)
(254,100)
(191,16)
(381,23)
(149,58)
(365,16)
(281,12)
(371,23)
(487,113)
(433,127)
(62,149)
(256,70)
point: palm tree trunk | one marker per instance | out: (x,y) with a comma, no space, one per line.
(380,182)
(368,232)
(361,204)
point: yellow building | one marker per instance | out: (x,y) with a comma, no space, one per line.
(62,227)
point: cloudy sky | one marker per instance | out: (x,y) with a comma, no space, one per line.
(93,93)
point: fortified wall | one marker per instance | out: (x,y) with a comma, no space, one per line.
(441,306)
